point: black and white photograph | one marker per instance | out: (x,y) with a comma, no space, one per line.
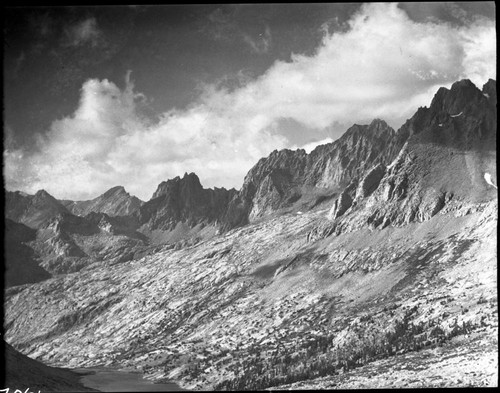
(272,196)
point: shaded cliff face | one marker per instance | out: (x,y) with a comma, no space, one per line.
(21,262)
(451,146)
(114,202)
(32,210)
(183,200)
(462,117)
(283,177)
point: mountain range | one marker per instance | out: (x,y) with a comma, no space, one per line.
(375,221)
(457,128)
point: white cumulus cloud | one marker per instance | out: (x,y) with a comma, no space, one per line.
(383,65)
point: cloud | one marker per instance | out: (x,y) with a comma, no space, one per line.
(383,65)
(106,142)
(84,32)
(309,147)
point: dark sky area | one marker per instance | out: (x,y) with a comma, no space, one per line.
(171,50)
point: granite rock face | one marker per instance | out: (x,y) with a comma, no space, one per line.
(284,176)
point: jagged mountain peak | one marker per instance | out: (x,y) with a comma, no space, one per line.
(375,125)
(449,150)
(445,120)
(183,200)
(461,95)
(379,124)
(191,179)
(118,190)
(490,91)
(377,129)
(43,194)
(188,181)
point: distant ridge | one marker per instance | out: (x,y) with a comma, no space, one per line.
(114,202)
(288,179)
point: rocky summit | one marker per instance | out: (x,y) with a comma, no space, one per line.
(184,200)
(369,262)
(114,202)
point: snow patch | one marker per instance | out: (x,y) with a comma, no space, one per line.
(456,115)
(399,157)
(486,95)
(487,177)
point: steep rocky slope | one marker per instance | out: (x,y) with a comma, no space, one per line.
(288,177)
(114,202)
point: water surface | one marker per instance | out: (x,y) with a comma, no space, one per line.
(107,380)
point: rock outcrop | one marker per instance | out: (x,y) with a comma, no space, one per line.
(343,202)
(370,181)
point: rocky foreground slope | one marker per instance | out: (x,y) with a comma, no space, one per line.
(25,374)
(388,271)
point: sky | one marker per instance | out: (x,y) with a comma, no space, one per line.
(96,97)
